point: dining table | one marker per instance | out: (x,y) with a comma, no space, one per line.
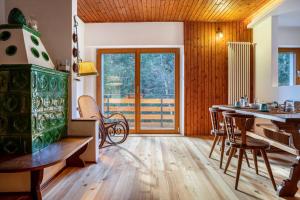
(279,122)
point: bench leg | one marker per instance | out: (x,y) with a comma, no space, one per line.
(74,160)
(36,180)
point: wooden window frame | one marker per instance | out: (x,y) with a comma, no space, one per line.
(137,52)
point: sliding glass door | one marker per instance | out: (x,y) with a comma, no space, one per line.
(143,84)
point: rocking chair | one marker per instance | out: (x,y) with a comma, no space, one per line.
(114,129)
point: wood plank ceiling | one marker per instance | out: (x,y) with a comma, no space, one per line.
(167,10)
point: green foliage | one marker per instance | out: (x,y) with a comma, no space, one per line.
(119,73)
(284,69)
(157,75)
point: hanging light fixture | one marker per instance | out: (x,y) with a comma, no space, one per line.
(87,69)
(219,34)
(80,67)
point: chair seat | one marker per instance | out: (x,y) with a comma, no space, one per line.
(251,143)
(223,132)
(218,132)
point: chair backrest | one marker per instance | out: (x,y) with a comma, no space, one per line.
(88,107)
(215,118)
(238,121)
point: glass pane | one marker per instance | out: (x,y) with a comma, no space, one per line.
(286,62)
(119,85)
(157,91)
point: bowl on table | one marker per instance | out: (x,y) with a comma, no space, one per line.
(263,107)
(237,104)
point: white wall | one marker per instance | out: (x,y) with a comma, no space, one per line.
(2,12)
(280,28)
(265,90)
(268,36)
(123,34)
(289,36)
(132,35)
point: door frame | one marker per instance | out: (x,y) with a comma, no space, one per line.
(137,52)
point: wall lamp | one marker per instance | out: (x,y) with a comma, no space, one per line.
(219,34)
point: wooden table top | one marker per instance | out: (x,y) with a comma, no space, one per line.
(50,155)
(279,116)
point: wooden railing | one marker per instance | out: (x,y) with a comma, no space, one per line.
(155,112)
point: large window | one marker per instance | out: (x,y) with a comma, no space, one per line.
(288,66)
(143,84)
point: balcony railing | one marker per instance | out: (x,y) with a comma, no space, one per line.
(156,113)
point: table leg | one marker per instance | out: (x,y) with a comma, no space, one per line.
(75,160)
(36,180)
(288,187)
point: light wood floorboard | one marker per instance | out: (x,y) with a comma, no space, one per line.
(166,168)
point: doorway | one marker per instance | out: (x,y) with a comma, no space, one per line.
(143,84)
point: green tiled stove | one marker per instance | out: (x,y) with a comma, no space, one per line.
(33,95)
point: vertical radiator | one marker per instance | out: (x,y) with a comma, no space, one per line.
(239,70)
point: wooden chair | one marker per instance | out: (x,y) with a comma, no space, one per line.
(244,123)
(114,129)
(219,132)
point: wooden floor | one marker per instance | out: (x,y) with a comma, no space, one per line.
(164,168)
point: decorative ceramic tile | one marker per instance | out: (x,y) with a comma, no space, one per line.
(33,107)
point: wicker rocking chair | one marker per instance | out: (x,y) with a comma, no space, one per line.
(114,129)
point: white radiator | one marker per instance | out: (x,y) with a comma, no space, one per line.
(239,70)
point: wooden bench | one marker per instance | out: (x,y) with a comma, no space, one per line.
(68,149)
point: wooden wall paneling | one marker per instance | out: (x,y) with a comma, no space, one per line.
(187,44)
(206,70)
(196,72)
(199,58)
(193,75)
(202,75)
(206,74)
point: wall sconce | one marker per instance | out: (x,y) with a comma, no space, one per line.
(219,34)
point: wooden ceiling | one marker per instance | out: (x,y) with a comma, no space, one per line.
(167,10)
